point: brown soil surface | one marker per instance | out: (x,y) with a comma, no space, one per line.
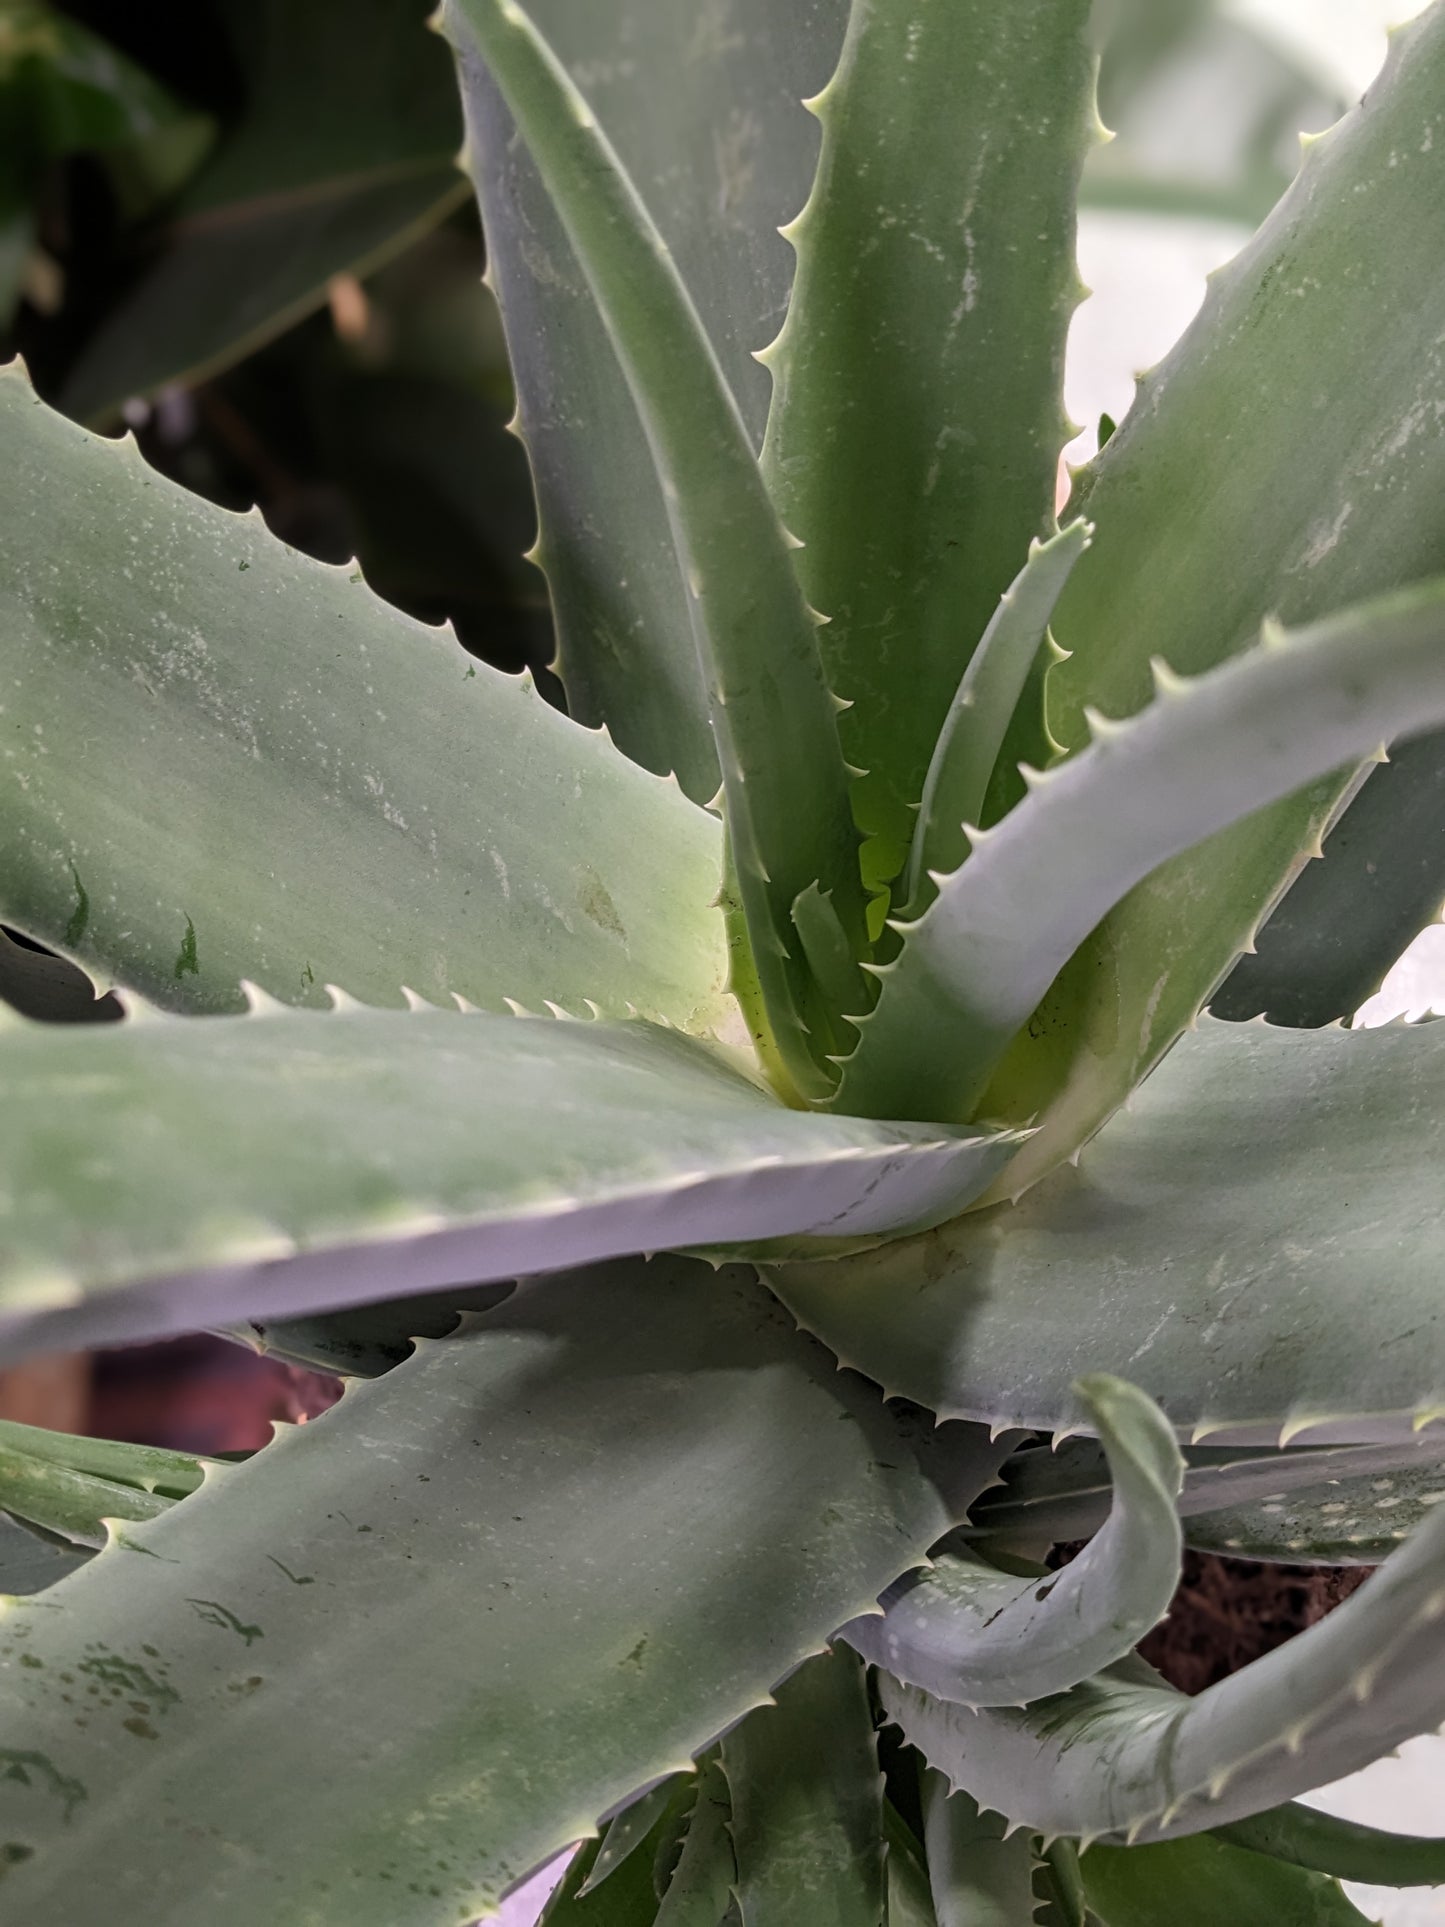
(1228,1612)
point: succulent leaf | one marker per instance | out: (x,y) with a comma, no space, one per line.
(981,1874)
(185,693)
(917,416)
(1338,1521)
(1284,459)
(964,1630)
(788,814)
(1205,753)
(1125,1756)
(1343,1848)
(294,1161)
(703,108)
(910,1901)
(1204,1882)
(30,1560)
(1328,946)
(807,1801)
(1255,1241)
(972,740)
(456,1507)
(627,1830)
(71,1504)
(1054,1495)
(698,1892)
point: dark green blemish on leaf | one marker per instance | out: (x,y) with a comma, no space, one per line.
(215,1614)
(188,963)
(20,1766)
(125,1676)
(634,1658)
(471,674)
(598,905)
(133,1545)
(142,1729)
(14,1853)
(80,915)
(242,567)
(295,1579)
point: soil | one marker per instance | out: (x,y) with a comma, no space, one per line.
(1228,1612)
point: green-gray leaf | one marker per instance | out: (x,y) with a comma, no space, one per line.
(226,761)
(1203,530)
(627,1831)
(980,1878)
(1125,1756)
(1328,946)
(1255,1241)
(1205,753)
(703,108)
(971,741)
(1335,1522)
(203,1170)
(917,417)
(788,815)
(807,1801)
(698,1892)
(964,1630)
(431,1536)
(1342,1848)
(1202,1882)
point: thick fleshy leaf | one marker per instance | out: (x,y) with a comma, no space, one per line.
(51,988)
(979,1877)
(1350,1521)
(702,1881)
(1202,1882)
(1343,1848)
(910,1900)
(70,1504)
(784,782)
(1123,1755)
(229,761)
(1332,940)
(344,150)
(198,1171)
(1205,753)
(964,1630)
(1255,1241)
(807,1801)
(30,1561)
(145,1468)
(973,738)
(628,1830)
(1203,529)
(363,1341)
(654,1438)
(703,108)
(1051,1495)
(917,416)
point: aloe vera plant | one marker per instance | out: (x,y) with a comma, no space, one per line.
(788,1007)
